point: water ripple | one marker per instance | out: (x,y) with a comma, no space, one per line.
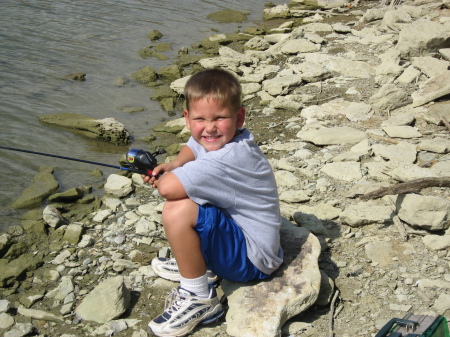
(41,41)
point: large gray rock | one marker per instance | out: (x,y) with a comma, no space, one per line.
(427,212)
(233,54)
(441,169)
(430,66)
(298,46)
(422,37)
(261,308)
(436,87)
(437,242)
(402,131)
(107,129)
(107,301)
(406,172)
(354,111)
(257,43)
(311,71)
(436,145)
(437,111)
(366,213)
(281,84)
(332,136)
(118,186)
(402,152)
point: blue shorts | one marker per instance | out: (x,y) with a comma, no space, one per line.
(224,247)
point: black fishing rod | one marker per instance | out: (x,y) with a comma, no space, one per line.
(139,161)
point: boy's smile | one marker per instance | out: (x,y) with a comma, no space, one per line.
(213,123)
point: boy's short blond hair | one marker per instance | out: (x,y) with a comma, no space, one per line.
(214,83)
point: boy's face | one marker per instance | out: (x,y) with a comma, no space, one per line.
(212,123)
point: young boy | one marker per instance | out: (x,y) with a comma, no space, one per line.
(222,211)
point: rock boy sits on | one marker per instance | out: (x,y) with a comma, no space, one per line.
(222,215)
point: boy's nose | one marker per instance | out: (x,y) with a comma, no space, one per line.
(210,127)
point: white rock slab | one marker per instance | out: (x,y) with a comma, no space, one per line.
(427,212)
(437,242)
(107,301)
(433,88)
(402,131)
(366,213)
(332,136)
(348,170)
(260,309)
(402,152)
(118,186)
(430,66)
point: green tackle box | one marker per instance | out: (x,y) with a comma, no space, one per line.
(415,326)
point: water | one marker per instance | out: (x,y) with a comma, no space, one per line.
(43,40)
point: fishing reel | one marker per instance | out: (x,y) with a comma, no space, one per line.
(141,161)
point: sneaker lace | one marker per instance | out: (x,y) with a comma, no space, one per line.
(173,300)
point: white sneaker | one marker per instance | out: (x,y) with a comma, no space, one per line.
(183,311)
(168,269)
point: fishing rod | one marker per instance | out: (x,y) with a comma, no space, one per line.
(139,161)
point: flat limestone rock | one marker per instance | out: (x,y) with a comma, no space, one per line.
(261,308)
(332,136)
(106,129)
(435,87)
(107,301)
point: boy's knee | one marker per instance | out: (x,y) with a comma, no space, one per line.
(179,212)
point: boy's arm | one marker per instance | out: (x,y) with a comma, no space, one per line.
(185,155)
(168,185)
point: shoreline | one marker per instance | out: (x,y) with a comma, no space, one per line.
(122,237)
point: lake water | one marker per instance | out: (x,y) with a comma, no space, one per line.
(41,41)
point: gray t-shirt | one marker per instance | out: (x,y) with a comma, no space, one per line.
(239,180)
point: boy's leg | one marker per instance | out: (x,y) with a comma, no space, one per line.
(185,308)
(179,219)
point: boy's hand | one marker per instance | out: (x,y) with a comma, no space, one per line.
(185,155)
(160,169)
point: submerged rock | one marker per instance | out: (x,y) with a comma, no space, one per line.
(44,184)
(14,269)
(227,16)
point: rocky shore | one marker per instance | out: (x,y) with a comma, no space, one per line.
(349,101)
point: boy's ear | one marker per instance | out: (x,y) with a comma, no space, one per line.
(186,117)
(240,117)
